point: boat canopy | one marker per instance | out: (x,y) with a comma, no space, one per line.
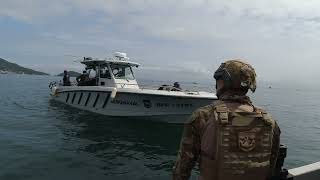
(111,72)
(118,59)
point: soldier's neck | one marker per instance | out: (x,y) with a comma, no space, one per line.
(234,96)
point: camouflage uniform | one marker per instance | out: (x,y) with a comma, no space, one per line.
(222,152)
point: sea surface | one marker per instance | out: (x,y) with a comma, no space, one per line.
(42,139)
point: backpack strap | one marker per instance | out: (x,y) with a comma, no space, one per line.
(266,117)
(221,113)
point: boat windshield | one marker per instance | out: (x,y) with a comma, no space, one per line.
(92,74)
(122,72)
(104,73)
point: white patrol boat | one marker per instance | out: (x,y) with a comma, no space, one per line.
(114,91)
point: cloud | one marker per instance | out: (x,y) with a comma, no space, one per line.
(174,19)
(189,35)
(179,20)
(33,10)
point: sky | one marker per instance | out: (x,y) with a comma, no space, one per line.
(170,39)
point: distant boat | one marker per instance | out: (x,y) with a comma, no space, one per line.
(114,91)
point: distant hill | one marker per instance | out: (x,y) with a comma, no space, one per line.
(71,74)
(8,67)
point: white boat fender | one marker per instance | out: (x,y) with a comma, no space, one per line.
(113,93)
(54,91)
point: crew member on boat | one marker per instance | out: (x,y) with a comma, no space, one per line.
(83,78)
(66,78)
(176,87)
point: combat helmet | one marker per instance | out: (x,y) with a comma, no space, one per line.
(236,75)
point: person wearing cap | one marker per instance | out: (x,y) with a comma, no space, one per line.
(231,139)
(176,86)
(83,78)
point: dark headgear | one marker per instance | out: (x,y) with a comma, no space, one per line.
(236,75)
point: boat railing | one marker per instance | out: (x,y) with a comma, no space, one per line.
(193,91)
(188,87)
(170,88)
(60,83)
(126,84)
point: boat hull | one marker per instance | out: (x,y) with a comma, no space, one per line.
(131,103)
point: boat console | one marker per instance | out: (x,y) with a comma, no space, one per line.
(112,72)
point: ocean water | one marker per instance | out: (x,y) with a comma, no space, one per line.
(42,139)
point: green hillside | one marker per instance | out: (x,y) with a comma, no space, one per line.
(71,74)
(9,67)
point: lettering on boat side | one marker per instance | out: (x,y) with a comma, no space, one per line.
(160,105)
(124,102)
(147,103)
(167,105)
(182,105)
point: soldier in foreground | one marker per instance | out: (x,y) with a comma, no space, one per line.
(231,139)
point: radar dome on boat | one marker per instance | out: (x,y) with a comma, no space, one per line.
(121,55)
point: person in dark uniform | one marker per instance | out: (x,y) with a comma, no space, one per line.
(66,78)
(231,139)
(83,78)
(176,87)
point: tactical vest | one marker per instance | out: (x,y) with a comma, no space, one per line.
(236,145)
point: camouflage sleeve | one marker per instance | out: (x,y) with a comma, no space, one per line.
(189,149)
(275,148)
